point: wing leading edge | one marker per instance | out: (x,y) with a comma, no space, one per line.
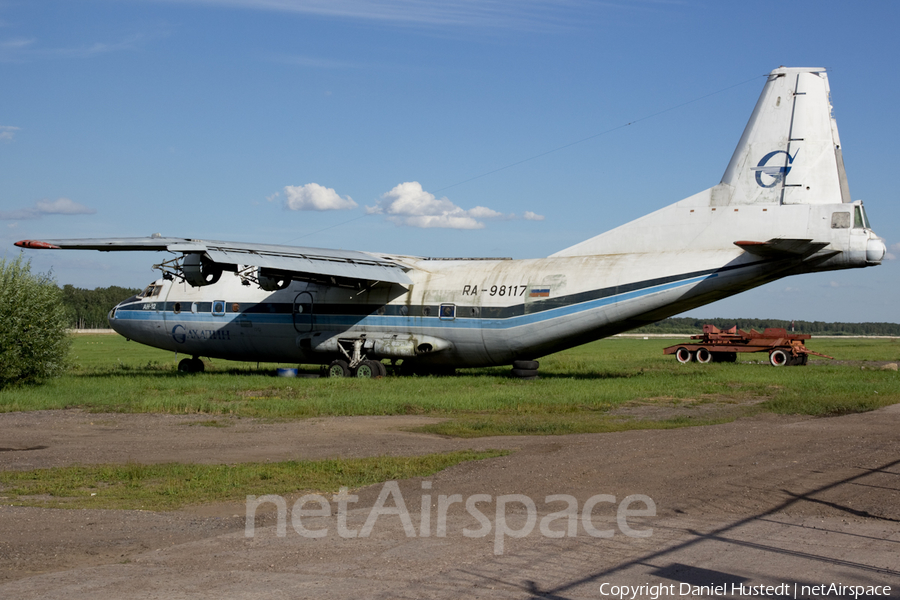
(300,263)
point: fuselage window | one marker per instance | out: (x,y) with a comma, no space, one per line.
(840,220)
(218,308)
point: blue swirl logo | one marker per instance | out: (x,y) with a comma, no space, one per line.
(178,334)
(776,172)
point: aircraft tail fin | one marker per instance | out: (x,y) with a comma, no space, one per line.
(790,152)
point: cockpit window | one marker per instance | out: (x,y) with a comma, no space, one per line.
(151,291)
(859,218)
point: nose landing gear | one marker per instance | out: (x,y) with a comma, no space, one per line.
(191,365)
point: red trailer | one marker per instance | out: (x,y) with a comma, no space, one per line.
(717,345)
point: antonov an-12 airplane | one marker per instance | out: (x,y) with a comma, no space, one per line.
(782,208)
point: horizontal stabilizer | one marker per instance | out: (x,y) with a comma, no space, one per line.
(781,248)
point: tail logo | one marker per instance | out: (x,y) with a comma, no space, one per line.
(776,172)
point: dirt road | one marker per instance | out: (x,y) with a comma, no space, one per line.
(761,501)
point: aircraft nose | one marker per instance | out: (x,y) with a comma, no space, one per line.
(875,251)
(115,323)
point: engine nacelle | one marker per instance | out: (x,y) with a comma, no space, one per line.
(272,281)
(383,344)
(199,270)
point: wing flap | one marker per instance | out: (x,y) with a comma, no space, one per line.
(363,268)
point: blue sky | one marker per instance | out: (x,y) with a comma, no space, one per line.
(245,119)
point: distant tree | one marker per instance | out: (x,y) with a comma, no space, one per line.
(695,326)
(87,309)
(33,338)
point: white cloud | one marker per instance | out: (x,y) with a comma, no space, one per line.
(63,206)
(60,206)
(892,252)
(503,14)
(408,204)
(8,132)
(313,196)
(482,212)
(318,63)
(530,216)
(16,44)
(17,50)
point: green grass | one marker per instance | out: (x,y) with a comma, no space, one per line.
(580,390)
(172,486)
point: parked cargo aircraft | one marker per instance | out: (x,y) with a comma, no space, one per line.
(782,208)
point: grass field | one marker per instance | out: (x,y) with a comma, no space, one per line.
(584,389)
(174,485)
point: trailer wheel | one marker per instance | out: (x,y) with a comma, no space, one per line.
(683,355)
(703,355)
(778,358)
(799,360)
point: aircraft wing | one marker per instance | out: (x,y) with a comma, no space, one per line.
(302,263)
(782,248)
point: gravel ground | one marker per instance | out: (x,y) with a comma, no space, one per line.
(767,500)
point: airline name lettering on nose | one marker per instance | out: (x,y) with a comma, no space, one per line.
(180,334)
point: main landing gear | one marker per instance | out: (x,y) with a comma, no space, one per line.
(356,364)
(366,369)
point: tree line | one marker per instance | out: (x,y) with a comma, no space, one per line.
(695,326)
(87,309)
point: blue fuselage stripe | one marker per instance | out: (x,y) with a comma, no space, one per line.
(327,320)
